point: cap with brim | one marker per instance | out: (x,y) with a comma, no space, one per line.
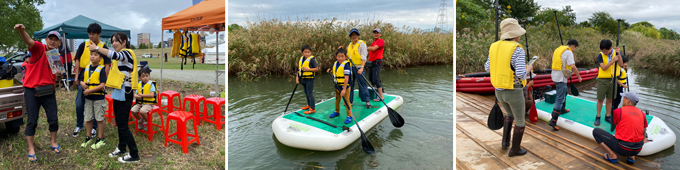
(510,29)
(55,33)
(377,30)
(632,96)
(353,31)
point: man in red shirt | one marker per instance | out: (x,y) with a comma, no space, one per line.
(38,82)
(630,135)
(375,55)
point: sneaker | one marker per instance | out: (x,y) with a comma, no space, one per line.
(310,111)
(116,153)
(349,120)
(88,140)
(597,121)
(608,119)
(368,105)
(335,114)
(98,144)
(76,131)
(139,124)
(128,159)
(94,132)
(144,127)
(305,108)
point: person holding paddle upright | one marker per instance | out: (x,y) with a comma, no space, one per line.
(508,69)
(562,57)
(608,57)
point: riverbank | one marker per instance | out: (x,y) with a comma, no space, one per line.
(153,154)
(273,47)
(663,56)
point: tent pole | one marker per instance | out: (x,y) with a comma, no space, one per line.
(217,61)
(161,58)
(65,59)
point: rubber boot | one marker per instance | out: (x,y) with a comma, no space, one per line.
(516,141)
(507,126)
(553,121)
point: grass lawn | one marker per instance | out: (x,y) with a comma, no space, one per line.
(154,155)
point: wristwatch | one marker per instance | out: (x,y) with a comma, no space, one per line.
(97,48)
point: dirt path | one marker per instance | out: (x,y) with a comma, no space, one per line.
(207,77)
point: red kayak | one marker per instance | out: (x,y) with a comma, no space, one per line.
(480,83)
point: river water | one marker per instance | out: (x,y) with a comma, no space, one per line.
(660,94)
(424,142)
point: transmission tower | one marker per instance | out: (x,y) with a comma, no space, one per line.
(441,18)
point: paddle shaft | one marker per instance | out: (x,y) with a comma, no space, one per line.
(558,27)
(497,16)
(624,54)
(365,143)
(531,77)
(291,96)
(369,83)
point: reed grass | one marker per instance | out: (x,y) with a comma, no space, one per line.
(272,47)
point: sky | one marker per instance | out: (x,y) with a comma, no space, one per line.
(414,13)
(139,16)
(660,13)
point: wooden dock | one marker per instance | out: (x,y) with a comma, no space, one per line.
(478,147)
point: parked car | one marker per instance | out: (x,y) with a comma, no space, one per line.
(12,108)
(16,58)
(146,55)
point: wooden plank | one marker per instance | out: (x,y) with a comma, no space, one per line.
(474,156)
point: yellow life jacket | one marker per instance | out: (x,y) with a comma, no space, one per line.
(305,63)
(500,54)
(184,46)
(339,73)
(176,43)
(622,76)
(353,52)
(557,57)
(195,43)
(85,57)
(146,89)
(609,72)
(115,78)
(92,81)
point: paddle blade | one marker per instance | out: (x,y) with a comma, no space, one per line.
(533,114)
(395,118)
(496,118)
(365,144)
(574,90)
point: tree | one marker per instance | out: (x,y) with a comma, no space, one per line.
(14,12)
(669,34)
(646,31)
(604,23)
(234,27)
(142,46)
(643,23)
(471,14)
(585,24)
(519,8)
(160,44)
(133,47)
(566,16)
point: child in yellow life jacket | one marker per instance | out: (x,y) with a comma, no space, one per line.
(93,81)
(306,67)
(342,72)
(146,97)
(621,77)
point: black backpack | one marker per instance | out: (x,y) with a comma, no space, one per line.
(496,117)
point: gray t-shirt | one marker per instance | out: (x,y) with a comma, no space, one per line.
(557,75)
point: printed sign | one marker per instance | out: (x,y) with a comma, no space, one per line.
(299,127)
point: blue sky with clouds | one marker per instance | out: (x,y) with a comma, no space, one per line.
(139,16)
(414,13)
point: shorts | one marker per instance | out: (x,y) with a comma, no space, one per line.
(605,88)
(95,109)
(143,108)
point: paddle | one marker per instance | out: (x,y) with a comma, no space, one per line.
(624,54)
(291,96)
(618,32)
(395,118)
(533,114)
(496,118)
(365,144)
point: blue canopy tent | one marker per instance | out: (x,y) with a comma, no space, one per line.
(76,28)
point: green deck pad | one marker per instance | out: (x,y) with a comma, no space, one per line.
(582,111)
(326,108)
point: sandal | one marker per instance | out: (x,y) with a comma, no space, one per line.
(630,161)
(32,156)
(368,105)
(606,157)
(56,149)
(377,100)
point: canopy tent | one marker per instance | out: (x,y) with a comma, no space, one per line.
(76,28)
(209,14)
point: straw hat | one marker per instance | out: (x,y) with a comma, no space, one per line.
(510,29)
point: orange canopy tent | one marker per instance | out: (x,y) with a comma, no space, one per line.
(202,16)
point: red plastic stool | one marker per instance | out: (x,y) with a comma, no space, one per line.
(217,111)
(149,125)
(109,112)
(170,95)
(194,107)
(113,115)
(181,117)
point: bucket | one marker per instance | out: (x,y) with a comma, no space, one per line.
(6,83)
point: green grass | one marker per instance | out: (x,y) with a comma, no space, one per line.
(210,155)
(175,63)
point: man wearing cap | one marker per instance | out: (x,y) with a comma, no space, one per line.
(630,135)
(357,53)
(82,58)
(563,59)
(38,82)
(508,70)
(375,55)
